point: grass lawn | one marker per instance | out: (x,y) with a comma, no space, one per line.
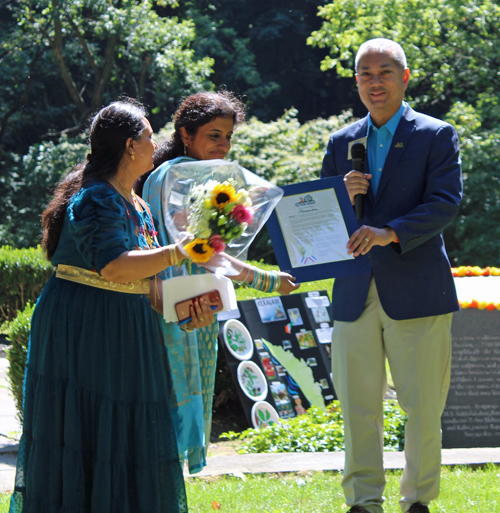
(463,490)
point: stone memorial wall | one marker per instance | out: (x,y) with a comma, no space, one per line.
(472,414)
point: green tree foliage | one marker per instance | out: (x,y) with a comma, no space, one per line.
(96,50)
(260,51)
(61,60)
(285,151)
(474,236)
(452,46)
(234,62)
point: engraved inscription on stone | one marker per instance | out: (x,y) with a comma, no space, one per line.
(472,414)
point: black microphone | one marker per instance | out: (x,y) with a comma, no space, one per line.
(358,164)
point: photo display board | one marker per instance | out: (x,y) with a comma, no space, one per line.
(472,414)
(278,351)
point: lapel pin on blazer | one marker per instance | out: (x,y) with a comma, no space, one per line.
(398,145)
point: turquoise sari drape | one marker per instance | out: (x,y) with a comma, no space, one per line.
(192,356)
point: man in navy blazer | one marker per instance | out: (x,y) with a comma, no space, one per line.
(412,188)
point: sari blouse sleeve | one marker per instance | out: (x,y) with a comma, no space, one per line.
(98,225)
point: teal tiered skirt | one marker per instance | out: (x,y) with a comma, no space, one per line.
(97,434)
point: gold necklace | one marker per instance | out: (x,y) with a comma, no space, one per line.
(128,195)
(150,237)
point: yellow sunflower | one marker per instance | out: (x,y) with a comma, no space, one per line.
(223,194)
(199,250)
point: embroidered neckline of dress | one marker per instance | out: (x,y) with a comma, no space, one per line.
(134,200)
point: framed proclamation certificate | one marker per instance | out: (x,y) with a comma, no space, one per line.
(310,228)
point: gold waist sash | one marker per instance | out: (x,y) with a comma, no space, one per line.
(93,279)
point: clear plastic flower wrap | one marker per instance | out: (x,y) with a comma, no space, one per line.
(217,207)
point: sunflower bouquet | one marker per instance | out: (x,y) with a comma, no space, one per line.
(218,214)
(217,206)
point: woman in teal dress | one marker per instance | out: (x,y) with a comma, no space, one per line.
(204,125)
(97,433)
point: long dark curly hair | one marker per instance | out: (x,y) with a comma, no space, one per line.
(109,131)
(195,111)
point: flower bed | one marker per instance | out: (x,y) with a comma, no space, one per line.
(468,270)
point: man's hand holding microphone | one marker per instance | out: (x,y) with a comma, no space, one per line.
(357,184)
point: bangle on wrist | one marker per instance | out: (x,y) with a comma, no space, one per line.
(164,251)
(244,280)
(278,282)
(174,259)
(256,274)
(172,255)
(272,281)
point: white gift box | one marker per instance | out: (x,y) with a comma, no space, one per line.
(181,288)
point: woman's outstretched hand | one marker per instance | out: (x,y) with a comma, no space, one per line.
(287,283)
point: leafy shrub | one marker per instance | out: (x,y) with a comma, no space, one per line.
(394,426)
(474,236)
(18,331)
(284,151)
(23,274)
(316,431)
(28,187)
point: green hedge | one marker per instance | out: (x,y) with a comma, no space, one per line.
(18,331)
(23,274)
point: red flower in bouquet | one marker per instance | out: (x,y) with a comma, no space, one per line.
(242,214)
(217,243)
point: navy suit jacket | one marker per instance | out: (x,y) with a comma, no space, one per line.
(418,195)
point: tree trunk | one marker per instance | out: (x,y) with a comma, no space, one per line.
(57,44)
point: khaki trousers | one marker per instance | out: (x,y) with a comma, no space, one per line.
(419,356)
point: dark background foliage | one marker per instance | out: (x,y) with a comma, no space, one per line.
(290,60)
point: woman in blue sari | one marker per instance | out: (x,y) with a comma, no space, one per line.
(204,125)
